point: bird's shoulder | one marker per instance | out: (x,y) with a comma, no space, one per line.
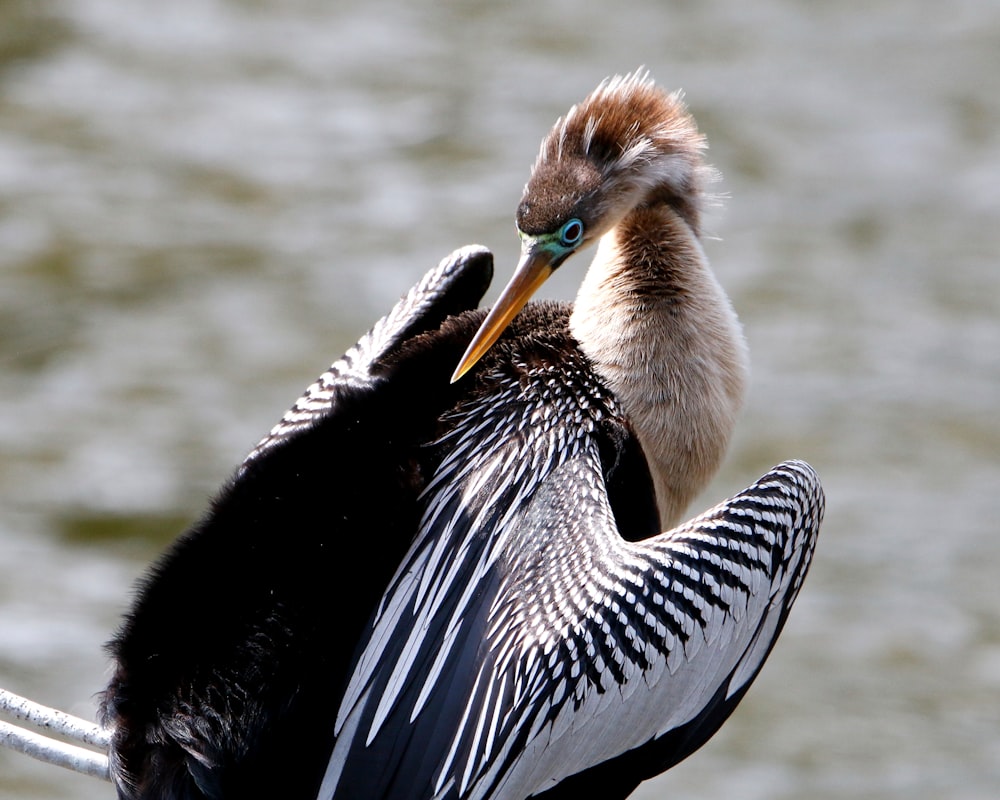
(535,381)
(536,400)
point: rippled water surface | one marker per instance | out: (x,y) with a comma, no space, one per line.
(203,203)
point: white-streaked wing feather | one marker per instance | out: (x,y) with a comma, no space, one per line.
(665,622)
(354,367)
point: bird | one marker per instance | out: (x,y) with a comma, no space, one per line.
(455,569)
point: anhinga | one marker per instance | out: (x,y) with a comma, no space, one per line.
(423,588)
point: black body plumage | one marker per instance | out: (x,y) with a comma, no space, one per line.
(231,662)
(421,578)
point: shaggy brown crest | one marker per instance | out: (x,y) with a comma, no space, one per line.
(628,140)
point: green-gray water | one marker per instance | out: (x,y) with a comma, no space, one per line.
(202,203)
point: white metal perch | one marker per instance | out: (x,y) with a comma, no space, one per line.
(43,746)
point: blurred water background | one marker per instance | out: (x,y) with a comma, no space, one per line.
(203,202)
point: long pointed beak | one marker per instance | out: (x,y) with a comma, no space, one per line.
(532,271)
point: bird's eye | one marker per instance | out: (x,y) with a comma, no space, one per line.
(571,233)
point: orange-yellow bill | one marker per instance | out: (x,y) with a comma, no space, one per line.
(533,270)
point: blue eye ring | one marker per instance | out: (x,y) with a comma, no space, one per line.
(571,233)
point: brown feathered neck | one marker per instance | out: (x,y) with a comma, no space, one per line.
(629,142)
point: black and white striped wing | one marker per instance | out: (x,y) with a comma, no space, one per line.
(636,641)
(456,284)
(530,642)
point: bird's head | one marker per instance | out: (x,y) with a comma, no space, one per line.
(628,143)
